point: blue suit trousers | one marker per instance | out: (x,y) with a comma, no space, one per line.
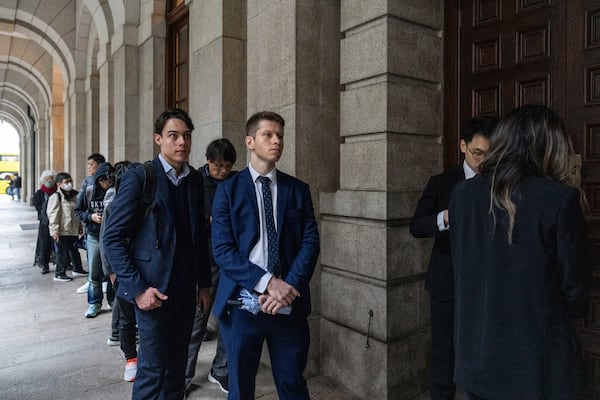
(288,340)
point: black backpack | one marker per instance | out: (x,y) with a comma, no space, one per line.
(148,188)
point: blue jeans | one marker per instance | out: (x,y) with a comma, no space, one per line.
(95,273)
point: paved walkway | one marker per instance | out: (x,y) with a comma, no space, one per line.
(49,351)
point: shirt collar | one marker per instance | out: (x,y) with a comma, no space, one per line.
(272,175)
(170,171)
(469,173)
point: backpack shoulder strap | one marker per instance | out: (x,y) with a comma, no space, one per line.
(148,189)
(88,194)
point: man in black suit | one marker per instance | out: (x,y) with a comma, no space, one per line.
(431,220)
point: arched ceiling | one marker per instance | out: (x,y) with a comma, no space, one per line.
(37,36)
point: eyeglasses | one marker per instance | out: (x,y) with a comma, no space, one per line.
(476,153)
(225,167)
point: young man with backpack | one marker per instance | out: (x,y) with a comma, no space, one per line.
(161,260)
(123,325)
(89,210)
(93,162)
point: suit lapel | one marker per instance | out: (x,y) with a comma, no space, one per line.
(250,190)
(283,189)
(459,174)
(194,184)
(162,187)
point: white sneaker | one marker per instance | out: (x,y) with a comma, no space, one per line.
(83,288)
(130,370)
(113,342)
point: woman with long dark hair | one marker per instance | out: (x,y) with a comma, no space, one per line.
(519,253)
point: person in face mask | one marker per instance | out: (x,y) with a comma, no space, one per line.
(43,248)
(64,227)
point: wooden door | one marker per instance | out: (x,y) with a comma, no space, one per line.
(582,118)
(501,54)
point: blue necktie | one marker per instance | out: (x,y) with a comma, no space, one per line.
(273,265)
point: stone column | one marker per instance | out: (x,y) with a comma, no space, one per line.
(293,67)
(42,142)
(57,122)
(375,311)
(152,33)
(217,75)
(75,145)
(27,172)
(126,94)
(105,108)
(92,141)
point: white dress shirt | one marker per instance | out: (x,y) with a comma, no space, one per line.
(469,173)
(259,254)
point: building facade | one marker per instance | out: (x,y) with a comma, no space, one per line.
(360,84)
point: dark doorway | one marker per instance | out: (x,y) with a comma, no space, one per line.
(503,54)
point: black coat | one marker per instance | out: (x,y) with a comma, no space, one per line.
(516,304)
(435,198)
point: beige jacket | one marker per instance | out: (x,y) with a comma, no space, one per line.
(61,216)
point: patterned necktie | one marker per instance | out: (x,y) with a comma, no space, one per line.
(273,265)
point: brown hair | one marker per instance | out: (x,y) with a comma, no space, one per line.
(530,140)
(254,121)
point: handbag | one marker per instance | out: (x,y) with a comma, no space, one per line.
(81,242)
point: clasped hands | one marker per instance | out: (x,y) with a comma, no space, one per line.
(153,298)
(279,294)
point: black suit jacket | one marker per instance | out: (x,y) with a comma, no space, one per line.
(515,303)
(435,198)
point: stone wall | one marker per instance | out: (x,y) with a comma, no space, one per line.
(391,107)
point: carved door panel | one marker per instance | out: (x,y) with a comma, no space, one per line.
(582,119)
(501,54)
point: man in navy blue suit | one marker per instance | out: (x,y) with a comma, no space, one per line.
(162,260)
(265,240)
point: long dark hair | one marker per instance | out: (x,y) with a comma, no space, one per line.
(530,140)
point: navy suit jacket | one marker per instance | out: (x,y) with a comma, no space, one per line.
(235,231)
(435,198)
(147,260)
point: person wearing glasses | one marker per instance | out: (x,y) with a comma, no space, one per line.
(63,226)
(430,220)
(220,158)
